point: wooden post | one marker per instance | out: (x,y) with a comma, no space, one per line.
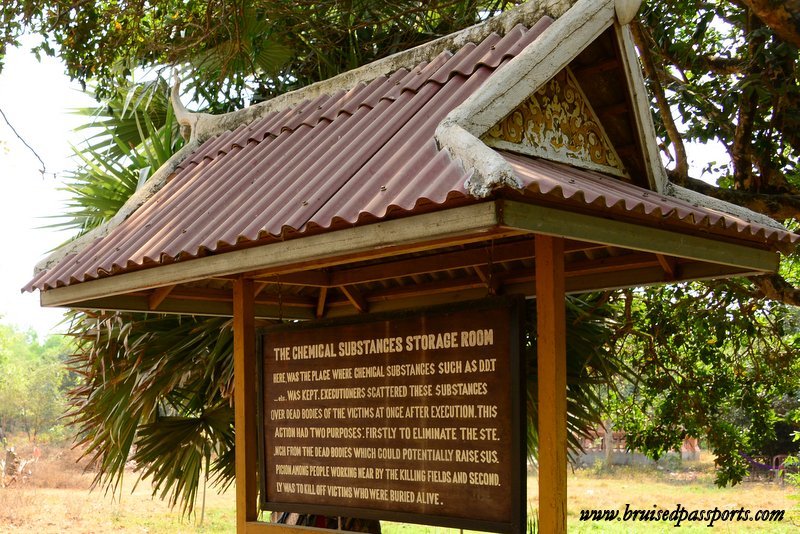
(552,384)
(244,377)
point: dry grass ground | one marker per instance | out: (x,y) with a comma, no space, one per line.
(691,486)
(57,500)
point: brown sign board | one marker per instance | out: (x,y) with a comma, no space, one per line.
(412,416)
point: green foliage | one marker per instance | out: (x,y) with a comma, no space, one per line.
(135,133)
(709,361)
(591,367)
(730,79)
(33,381)
(159,385)
(235,51)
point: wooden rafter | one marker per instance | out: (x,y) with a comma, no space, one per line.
(669,264)
(158,295)
(225,295)
(491,282)
(304,278)
(356,298)
(615,109)
(611,264)
(597,67)
(447,261)
(259,287)
(476,277)
(321,301)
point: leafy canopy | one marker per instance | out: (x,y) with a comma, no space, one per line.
(231,51)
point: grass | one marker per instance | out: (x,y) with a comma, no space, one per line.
(691,486)
(57,500)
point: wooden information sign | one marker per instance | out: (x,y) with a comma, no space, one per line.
(408,417)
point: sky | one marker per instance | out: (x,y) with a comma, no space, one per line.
(37,99)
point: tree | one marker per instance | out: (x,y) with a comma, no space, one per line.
(720,71)
(710,361)
(33,381)
(241,50)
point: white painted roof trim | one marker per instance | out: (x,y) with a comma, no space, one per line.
(699,199)
(459,133)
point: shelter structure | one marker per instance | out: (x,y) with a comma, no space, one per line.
(515,157)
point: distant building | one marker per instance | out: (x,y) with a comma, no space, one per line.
(600,446)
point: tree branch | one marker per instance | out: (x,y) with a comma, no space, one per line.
(741,151)
(721,65)
(43,170)
(681,172)
(777,206)
(775,287)
(782,17)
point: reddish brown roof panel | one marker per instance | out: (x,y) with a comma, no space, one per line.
(335,157)
(348,156)
(586,189)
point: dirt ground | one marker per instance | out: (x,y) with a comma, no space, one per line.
(57,498)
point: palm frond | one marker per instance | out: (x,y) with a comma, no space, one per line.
(114,163)
(591,367)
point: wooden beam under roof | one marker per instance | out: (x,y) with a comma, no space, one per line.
(486,274)
(597,67)
(520,282)
(158,295)
(670,265)
(551,221)
(226,295)
(614,109)
(356,298)
(445,261)
(465,224)
(321,302)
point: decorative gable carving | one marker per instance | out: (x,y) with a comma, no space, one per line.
(557,123)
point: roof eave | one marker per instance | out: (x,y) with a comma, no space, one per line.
(476,222)
(203,126)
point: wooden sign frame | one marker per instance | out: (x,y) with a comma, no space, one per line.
(512,400)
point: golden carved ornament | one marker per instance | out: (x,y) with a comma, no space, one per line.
(557,122)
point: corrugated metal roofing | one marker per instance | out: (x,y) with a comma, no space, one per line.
(343,157)
(593,190)
(336,157)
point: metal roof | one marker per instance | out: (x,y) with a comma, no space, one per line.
(351,157)
(593,191)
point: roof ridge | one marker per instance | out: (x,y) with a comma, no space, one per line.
(203,126)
